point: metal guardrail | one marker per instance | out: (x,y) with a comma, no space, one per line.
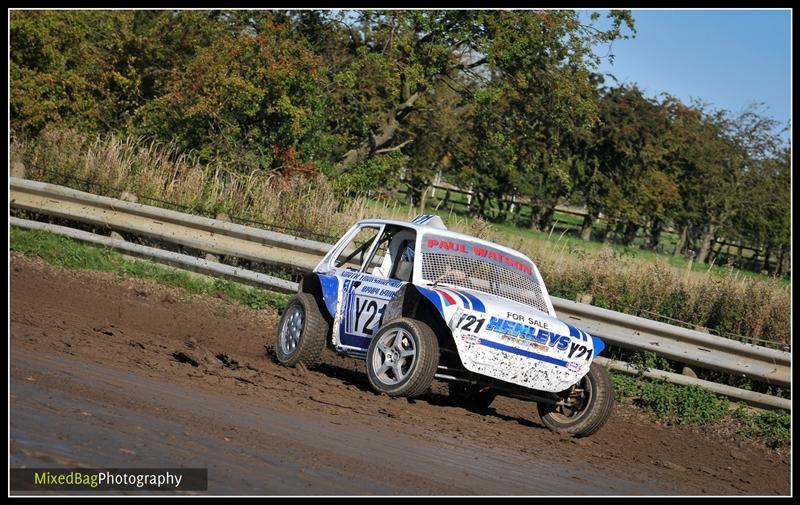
(209,235)
(221,237)
(680,344)
(20,187)
(179,260)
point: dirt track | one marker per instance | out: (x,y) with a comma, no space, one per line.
(117,372)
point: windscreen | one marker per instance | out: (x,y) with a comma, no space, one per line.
(472,265)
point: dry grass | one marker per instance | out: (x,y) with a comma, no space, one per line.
(757,309)
(732,306)
(157,174)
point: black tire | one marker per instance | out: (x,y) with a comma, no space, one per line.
(416,372)
(306,347)
(592,409)
(471,396)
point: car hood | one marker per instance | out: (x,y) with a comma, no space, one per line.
(513,342)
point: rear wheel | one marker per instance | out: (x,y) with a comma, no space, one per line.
(471,396)
(402,358)
(583,408)
(301,332)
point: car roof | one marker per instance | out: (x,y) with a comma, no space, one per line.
(443,232)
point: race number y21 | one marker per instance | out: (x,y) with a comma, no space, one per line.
(368,315)
(579,350)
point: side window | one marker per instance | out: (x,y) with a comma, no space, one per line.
(355,252)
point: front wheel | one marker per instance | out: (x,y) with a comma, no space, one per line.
(583,408)
(402,358)
(302,331)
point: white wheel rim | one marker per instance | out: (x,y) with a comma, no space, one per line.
(394,356)
(292,330)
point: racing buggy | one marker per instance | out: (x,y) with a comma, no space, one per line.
(419,302)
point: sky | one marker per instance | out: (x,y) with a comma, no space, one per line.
(728,58)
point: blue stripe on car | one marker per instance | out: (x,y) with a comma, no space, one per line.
(522,352)
(433,296)
(467,304)
(598,345)
(330,292)
(356,341)
(477,304)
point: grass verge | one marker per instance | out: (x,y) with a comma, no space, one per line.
(65,252)
(692,405)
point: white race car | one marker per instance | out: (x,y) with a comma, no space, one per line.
(420,302)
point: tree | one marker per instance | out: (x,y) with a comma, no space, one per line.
(411,54)
(253,98)
(485,159)
(762,214)
(549,101)
(628,150)
(432,134)
(67,68)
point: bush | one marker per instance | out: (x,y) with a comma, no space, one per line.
(670,402)
(772,425)
(691,405)
(364,177)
